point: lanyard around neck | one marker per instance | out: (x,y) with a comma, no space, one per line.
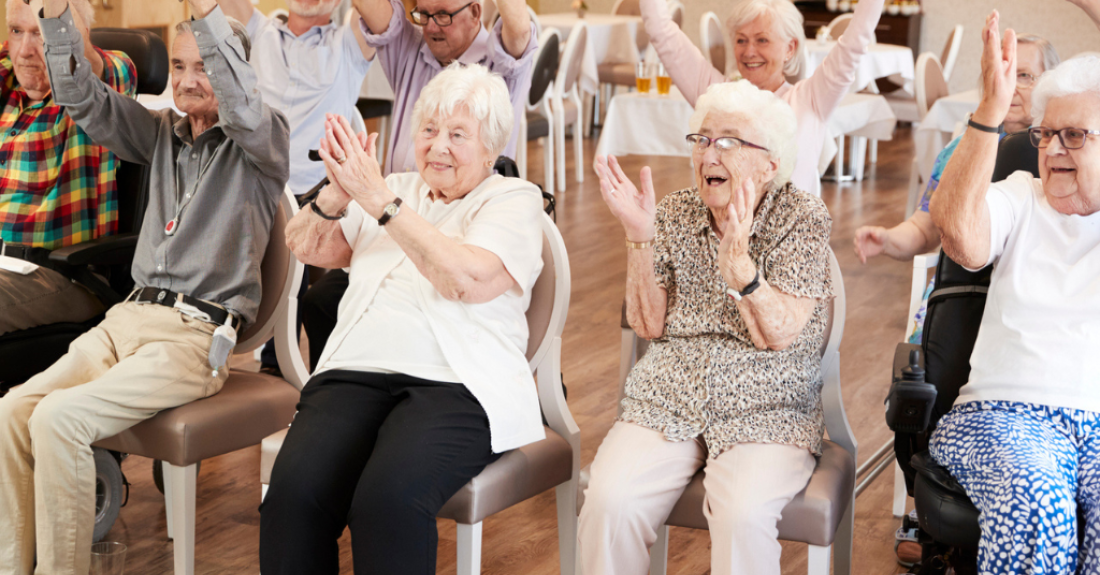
(181,203)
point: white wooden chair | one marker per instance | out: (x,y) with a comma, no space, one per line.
(567,103)
(714,42)
(538,109)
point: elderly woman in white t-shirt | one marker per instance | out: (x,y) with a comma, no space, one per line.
(424,381)
(1023,438)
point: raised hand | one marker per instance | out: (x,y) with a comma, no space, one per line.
(734,262)
(636,210)
(350,162)
(998,72)
(869,242)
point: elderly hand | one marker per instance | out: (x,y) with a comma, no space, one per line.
(734,262)
(869,242)
(998,72)
(350,163)
(636,210)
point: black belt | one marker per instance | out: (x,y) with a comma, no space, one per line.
(168,298)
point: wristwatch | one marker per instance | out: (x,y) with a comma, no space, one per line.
(390,211)
(747,291)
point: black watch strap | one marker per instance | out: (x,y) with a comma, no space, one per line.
(755,283)
(983,128)
(317,210)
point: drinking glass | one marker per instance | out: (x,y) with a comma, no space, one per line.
(664,82)
(108,558)
(641,77)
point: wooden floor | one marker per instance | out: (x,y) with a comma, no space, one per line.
(523,540)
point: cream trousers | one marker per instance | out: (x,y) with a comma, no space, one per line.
(638,476)
(140,360)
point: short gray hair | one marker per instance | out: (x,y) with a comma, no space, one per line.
(1050,55)
(239,30)
(480,91)
(1078,75)
(772,118)
(783,13)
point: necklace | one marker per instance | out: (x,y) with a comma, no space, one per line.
(174,224)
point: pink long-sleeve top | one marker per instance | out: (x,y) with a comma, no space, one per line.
(812,99)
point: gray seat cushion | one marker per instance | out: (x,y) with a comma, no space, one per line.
(249,407)
(517,476)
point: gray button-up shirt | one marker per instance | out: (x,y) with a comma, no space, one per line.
(230,176)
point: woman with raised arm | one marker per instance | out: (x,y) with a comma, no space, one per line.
(767,37)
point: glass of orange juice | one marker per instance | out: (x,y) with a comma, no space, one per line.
(642,78)
(664,82)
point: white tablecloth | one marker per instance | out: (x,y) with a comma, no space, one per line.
(656,125)
(934,133)
(611,39)
(880,61)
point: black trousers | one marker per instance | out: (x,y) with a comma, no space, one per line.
(318,308)
(380,454)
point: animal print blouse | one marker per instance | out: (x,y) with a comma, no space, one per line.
(703,375)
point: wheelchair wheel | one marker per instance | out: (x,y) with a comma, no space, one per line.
(158,474)
(108,492)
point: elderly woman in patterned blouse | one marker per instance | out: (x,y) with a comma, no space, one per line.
(730,279)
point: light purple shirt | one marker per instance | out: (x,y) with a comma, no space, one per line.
(410,65)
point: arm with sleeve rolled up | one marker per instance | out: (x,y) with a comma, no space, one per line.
(832,80)
(515,26)
(916,235)
(241,10)
(317,241)
(110,119)
(959,207)
(262,132)
(685,64)
(376,14)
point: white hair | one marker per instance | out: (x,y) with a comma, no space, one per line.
(772,119)
(239,30)
(1078,75)
(783,14)
(480,91)
(1050,55)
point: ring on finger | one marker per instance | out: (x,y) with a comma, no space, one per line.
(341,159)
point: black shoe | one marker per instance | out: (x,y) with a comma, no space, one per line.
(271,370)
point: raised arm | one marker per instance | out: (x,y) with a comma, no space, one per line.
(262,132)
(375,13)
(1091,7)
(832,80)
(516,26)
(917,235)
(317,241)
(240,10)
(54,8)
(686,65)
(110,119)
(958,208)
(646,300)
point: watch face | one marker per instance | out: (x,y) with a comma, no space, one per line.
(391,210)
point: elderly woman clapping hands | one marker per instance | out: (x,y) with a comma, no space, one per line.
(417,389)
(730,279)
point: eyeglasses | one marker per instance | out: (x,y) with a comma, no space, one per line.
(699,143)
(1071,138)
(1025,80)
(442,19)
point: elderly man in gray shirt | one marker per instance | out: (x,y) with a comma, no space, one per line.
(215,182)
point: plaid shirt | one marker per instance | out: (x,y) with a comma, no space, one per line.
(57,188)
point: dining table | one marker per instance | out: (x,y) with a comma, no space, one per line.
(881,61)
(612,39)
(946,117)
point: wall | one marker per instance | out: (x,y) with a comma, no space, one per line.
(1065,25)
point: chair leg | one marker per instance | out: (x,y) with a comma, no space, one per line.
(874,152)
(578,151)
(559,150)
(900,492)
(658,554)
(566,498)
(383,137)
(469,548)
(818,561)
(859,155)
(180,483)
(842,544)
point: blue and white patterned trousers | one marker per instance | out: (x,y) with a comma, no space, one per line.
(1027,468)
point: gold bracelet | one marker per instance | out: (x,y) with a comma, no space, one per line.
(639,245)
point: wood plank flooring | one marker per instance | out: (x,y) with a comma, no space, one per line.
(523,539)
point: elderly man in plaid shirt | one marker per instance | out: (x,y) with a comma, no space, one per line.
(57,188)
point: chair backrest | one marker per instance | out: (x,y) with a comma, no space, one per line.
(633,8)
(281,274)
(550,295)
(839,24)
(571,59)
(1016,153)
(712,40)
(547,58)
(929,83)
(489,13)
(951,51)
(676,12)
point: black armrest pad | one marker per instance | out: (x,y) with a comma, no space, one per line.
(108,250)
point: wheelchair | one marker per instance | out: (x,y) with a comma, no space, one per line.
(925,383)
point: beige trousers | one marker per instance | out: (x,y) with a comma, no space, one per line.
(43,297)
(140,360)
(638,476)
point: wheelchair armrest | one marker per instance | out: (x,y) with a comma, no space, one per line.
(107,250)
(930,469)
(909,403)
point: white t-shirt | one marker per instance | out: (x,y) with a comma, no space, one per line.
(485,344)
(1039,340)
